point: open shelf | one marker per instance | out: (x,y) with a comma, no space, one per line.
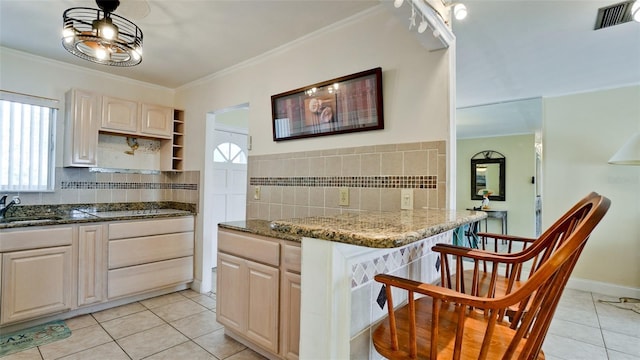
(173,150)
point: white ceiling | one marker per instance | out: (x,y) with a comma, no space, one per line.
(184,40)
(512,53)
(506,50)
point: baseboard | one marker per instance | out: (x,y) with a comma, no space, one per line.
(603,288)
(196,286)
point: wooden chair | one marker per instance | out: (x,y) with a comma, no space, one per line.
(447,324)
(497,273)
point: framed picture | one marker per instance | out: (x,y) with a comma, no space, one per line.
(346,104)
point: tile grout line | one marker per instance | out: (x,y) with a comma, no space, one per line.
(595,309)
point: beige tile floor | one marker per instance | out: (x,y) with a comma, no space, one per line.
(182,326)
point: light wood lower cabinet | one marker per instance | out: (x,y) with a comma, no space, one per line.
(258,291)
(251,306)
(35,283)
(290,310)
(148,255)
(92,266)
(53,269)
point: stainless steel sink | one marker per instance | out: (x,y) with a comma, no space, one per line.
(130,213)
(30,219)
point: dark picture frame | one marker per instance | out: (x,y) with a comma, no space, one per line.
(346,104)
(488,173)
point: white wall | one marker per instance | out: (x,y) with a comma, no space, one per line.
(519,152)
(416,85)
(28,74)
(415,82)
(580,133)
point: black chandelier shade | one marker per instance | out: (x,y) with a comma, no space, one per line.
(101,36)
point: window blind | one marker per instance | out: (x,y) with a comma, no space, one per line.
(27,133)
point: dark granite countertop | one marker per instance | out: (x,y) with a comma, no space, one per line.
(41,215)
(259,227)
(378,229)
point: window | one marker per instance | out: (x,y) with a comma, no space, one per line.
(27,133)
(229,152)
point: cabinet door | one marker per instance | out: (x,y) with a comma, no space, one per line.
(35,283)
(119,115)
(92,269)
(156,121)
(81,134)
(290,315)
(232,292)
(264,300)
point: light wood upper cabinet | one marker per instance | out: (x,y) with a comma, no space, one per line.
(156,120)
(133,118)
(88,113)
(119,115)
(82,121)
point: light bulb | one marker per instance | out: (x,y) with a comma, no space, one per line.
(101,53)
(460,11)
(635,11)
(423,26)
(397,3)
(67,34)
(436,33)
(108,31)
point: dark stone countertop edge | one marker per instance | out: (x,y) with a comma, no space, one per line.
(81,213)
(277,229)
(381,241)
(259,227)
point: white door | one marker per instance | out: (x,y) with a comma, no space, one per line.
(229,185)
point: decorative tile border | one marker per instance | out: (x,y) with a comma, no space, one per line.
(362,273)
(93,185)
(397,182)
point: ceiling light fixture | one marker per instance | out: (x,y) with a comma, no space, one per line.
(100,36)
(635,11)
(459,11)
(629,153)
(423,25)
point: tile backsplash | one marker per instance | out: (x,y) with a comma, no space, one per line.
(81,186)
(307,183)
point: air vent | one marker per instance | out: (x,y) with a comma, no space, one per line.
(614,15)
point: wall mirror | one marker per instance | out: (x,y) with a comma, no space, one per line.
(488,170)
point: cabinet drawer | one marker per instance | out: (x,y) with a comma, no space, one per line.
(49,236)
(130,229)
(142,278)
(135,251)
(291,257)
(253,247)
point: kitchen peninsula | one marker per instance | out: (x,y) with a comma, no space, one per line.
(338,258)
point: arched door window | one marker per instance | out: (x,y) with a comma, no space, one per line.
(229,153)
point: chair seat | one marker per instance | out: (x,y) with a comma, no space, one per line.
(475,327)
(484,281)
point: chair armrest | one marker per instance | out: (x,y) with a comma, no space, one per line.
(477,254)
(446,294)
(506,237)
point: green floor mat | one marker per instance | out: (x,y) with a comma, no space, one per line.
(32,337)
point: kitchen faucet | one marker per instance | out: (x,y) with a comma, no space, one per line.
(4,208)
